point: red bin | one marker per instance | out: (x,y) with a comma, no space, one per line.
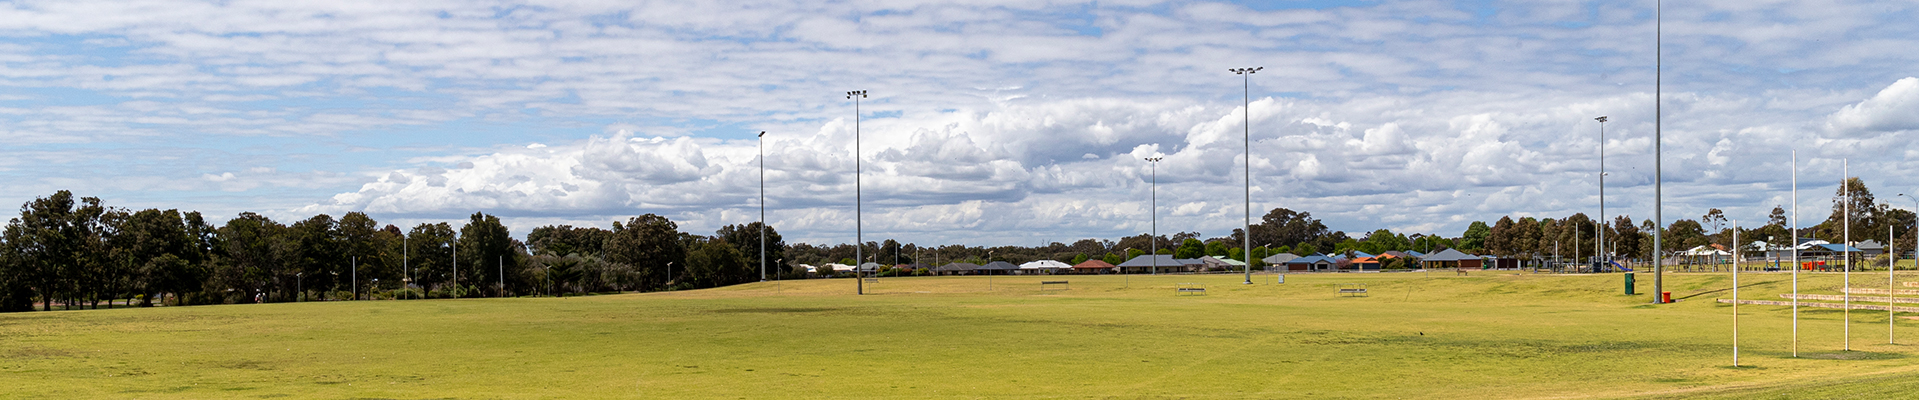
(1666,297)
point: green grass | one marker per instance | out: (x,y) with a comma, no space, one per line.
(1488,335)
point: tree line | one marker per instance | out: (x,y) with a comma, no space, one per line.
(77,252)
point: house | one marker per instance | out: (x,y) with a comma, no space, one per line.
(1279,259)
(1044,267)
(1451,258)
(1150,263)
(1363,264)
(1093,267)
(958,268)
(1871,248)
(1389,254)
(1314,262)
(1219,263)
(999,268)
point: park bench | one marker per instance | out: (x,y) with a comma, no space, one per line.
(1186,288)
(1063,284)
(1353,289)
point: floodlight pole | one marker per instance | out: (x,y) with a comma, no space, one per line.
(1659,265)
(859,280)
(1246,137)
(1736,293)
(1600,239)
(1794,171)
(762,143)
(1153,208)
(1846,260)
(1890,260)
(355,276)
(501,263)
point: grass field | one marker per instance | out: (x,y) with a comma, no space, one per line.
(1490,335)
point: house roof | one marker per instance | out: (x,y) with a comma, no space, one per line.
(1449,255)
(1366,260)
(1164,260)
(1870,245)
(1393,254)
(1416,253)
(1223,261)
(1000,265)
(1312,259)
(1281,258)
(1045,264)
(1839,248)
(959,266)
(1093,264)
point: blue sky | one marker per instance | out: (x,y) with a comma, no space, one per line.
(988,122)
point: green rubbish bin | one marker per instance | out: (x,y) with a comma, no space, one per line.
(1629,283)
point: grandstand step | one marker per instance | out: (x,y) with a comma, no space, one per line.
(1821,305)
(1835,297)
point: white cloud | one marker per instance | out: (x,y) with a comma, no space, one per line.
(990,122)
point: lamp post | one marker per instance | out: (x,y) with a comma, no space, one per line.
(300,285)
(406,273)
(1846,260)
(1794,243)
(355,276)
(1153,208)
(1246,137)
(763,204)
(859,285)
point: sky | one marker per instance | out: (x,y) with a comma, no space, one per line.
(985,122)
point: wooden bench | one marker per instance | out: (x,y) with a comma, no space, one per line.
(1353,289)
(1186,288)
(1043,284)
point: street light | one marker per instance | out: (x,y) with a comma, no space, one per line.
(1246,138)
(763,204)
(300,285)
(859,284)
(1153,207)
